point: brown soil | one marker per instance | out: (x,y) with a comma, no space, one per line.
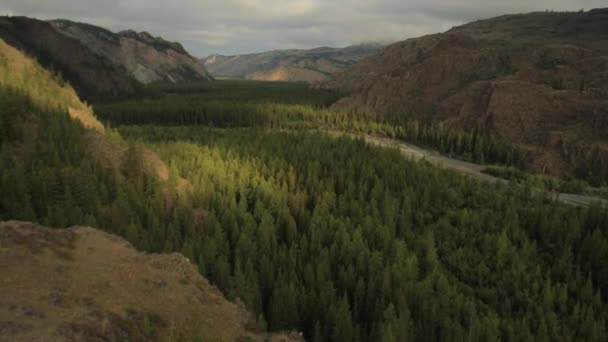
(81,284)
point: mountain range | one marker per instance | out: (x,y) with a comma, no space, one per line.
(289,65)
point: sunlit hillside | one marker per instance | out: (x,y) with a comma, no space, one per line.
(45,89)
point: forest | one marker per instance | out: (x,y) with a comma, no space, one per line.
(326,235)
(283,105)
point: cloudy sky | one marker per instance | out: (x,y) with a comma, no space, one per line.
(243,26)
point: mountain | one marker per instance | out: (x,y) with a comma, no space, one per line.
(538,80)
(289,65)
(146,58)
(19,73)
(98,63)
(92,75)
(97,287)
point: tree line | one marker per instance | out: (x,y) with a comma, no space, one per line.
(296,106)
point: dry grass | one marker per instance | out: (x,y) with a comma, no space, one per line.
(104,289)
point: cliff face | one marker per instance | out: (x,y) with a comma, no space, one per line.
(97,287)
(289,65)
(537,80)
(146,58)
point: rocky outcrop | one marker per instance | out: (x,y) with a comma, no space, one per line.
(17,71)
(81,284)
(146,58)
(537,80)
(289,65)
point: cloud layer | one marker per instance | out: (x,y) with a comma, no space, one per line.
(243,26)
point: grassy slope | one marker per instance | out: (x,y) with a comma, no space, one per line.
(44,89)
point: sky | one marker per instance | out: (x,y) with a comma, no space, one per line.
(231,27)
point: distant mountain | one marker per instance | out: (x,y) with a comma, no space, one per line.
(148,59)
(538,80)
(289,65)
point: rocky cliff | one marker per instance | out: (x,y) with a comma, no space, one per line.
(289,65)
(146,58)
(538,80)
(81,284)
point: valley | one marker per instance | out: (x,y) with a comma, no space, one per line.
(314,65)
(450,187)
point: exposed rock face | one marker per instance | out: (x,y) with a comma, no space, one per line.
(289,65)
(81,284)
(91,74)
(537,80)
(148,59)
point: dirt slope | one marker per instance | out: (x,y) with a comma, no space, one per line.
(81,284)
(146,58)
(289,65)
(538,80)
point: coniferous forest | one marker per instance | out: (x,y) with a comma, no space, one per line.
(326,235)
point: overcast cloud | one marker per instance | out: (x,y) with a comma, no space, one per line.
(244,26)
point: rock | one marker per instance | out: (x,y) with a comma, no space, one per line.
(107,292)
